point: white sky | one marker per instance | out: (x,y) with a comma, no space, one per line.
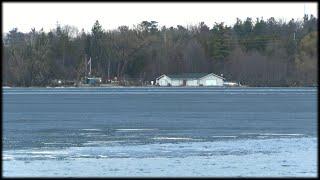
(25,16)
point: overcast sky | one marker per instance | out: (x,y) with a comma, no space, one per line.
(25,16)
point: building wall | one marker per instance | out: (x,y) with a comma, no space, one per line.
(211,80)
(192,82)
(176,82)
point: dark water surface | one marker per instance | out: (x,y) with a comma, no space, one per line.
(74,117)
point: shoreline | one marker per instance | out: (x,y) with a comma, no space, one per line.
(58,87)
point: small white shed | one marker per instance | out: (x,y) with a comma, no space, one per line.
(211,80)
(163,80)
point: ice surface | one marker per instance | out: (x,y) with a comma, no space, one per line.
(295,156)
(76,132)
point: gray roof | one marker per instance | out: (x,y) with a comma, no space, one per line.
(187,75)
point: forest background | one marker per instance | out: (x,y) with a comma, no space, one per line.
(254,52)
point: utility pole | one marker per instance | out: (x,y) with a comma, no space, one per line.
(7,67)
(108,70)
(294,55)
(86,65)
(90,66)
(295,45)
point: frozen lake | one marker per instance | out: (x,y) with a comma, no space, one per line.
(95,132)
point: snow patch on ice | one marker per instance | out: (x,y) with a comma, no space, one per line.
(274,134)
(224,136)
(136,129)
(91,129)
(276,157)
(172,138)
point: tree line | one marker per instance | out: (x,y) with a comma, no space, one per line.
(253,52)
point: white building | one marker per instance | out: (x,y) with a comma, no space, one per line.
(190,79)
